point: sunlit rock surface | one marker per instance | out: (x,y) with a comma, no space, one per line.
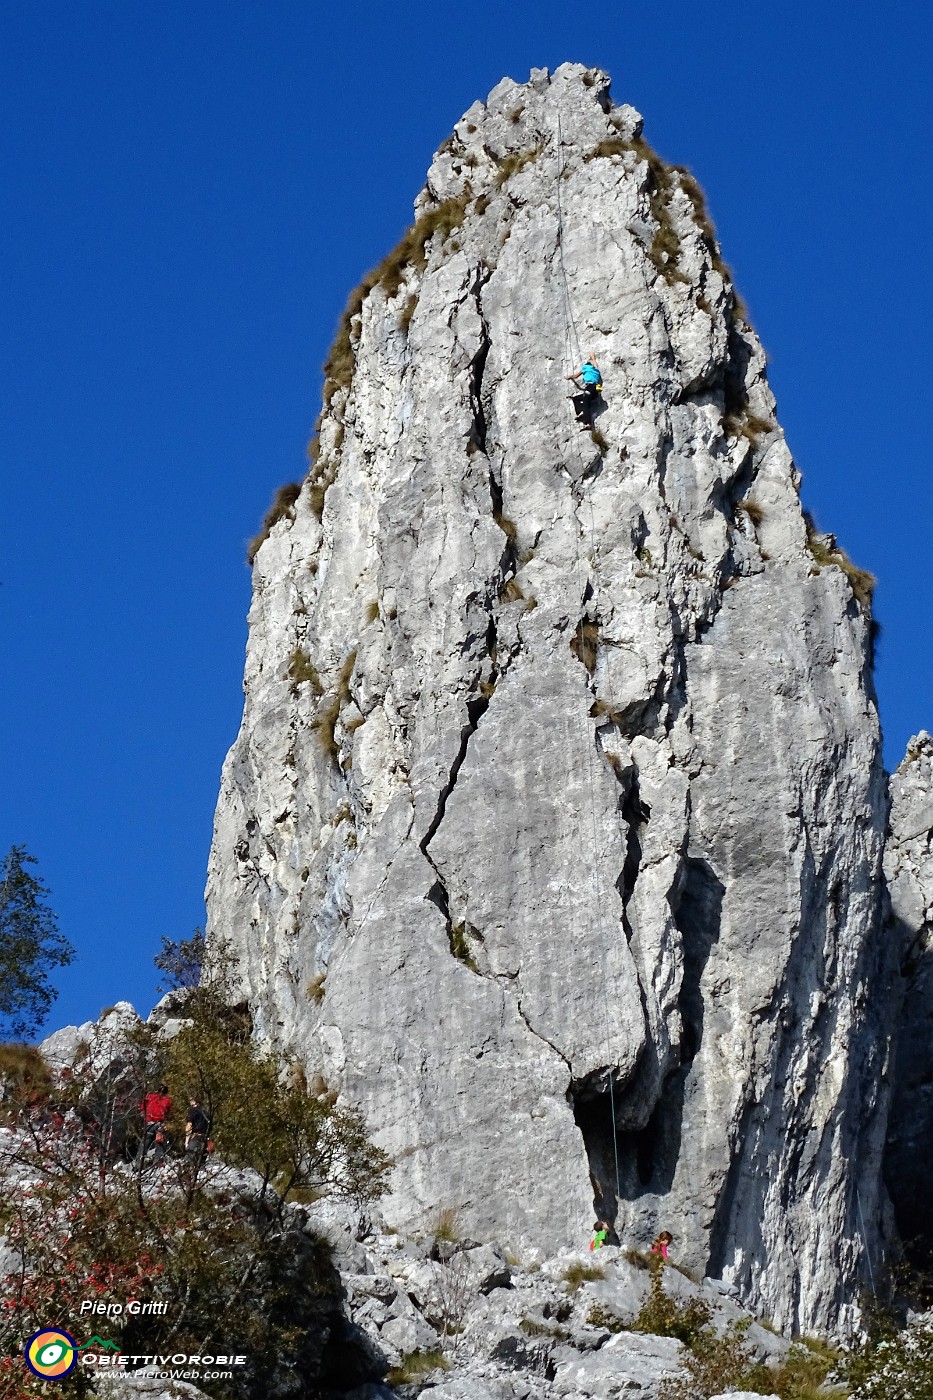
(557,801)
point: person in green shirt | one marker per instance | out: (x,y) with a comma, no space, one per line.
(600,1231)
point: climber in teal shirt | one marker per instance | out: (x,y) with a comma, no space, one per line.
(590,389)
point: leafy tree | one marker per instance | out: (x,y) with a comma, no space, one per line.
(30,947)
(892,1363)
(217,1236)
(181,960)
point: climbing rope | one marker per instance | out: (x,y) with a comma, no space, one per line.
(572,341)
(871,1273)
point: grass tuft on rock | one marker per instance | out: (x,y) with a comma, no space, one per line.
(578,1273)
(585,643)
(328,712)
(663,179)
(460,946)
(409,252)
(282,508)
(416,1365)
(826,552)
(302,671)
(511,164)
(447,1226)
(599,439)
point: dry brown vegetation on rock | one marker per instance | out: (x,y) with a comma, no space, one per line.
(510,165)
(826,552)
(584,644)
(578,1273)
(665,247)
(302,671)
(447,1225)
(282,508)
(410,251)
(328,712)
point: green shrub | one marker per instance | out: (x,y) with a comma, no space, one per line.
(316,988)
(24,1076)
(891,1364)
(664,1316)
(186,1233)
(578,1273)
(716,1363)
(802,1375)
(282,508)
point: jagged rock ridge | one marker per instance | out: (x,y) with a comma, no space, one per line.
(558,799)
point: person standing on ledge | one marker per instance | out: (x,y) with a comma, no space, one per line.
(600,1233)
(661,1244)
(197,1126)
(155,1107)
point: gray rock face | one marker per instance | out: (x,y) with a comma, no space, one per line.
(543,1337)
(908,866)
(557,805)
(96,1043)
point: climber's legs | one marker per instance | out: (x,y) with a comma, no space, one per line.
(583,405)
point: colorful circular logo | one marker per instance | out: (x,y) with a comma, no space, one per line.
(51,1354)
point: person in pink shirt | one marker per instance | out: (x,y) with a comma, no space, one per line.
(661,1244)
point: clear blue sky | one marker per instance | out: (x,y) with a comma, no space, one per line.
(191,190)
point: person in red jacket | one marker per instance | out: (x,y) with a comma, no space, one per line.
(156,1107)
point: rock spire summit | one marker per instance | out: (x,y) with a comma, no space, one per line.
(552,835)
